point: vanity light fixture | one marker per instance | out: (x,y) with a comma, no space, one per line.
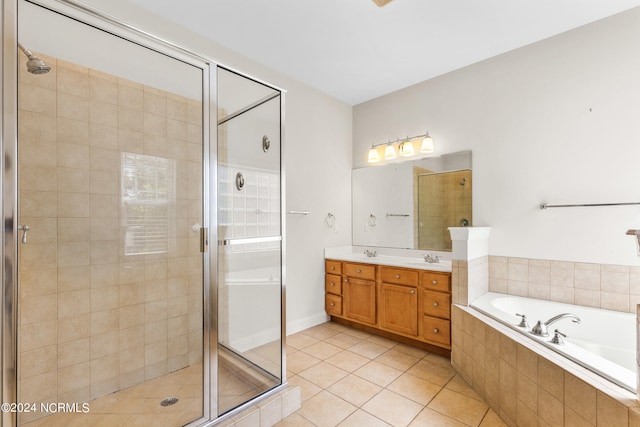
(390,152)
(373,155)
(427,144)
(405,147)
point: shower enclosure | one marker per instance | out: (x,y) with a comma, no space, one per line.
(142,274)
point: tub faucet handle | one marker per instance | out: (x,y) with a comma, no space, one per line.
(557,337)
(523,323)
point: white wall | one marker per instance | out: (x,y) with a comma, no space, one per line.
(317,163)
(557,121)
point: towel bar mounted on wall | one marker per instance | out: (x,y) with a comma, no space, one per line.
(544,206)
(299,212)
(401,215)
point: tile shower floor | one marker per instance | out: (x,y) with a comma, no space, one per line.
(348,377)
(140,405)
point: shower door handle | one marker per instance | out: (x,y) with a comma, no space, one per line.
(24,229)
(204,239)
(246,240)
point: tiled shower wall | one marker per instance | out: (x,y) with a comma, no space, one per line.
(612,287)
(92,318)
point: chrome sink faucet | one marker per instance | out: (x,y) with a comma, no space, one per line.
(541,329)
(431,259)
(370,254)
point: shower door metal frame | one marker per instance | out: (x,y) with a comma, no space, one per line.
(9,177)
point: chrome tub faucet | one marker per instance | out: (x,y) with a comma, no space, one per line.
(541,329)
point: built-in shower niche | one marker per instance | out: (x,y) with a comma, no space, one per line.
(110,279)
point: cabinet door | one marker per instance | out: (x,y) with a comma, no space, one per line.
(399,309)
(360,300)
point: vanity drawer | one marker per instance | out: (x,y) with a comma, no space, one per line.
(333,284)
(399,276)
(360,271)
(333,267)
(437,330)
(437,304)
(440,282)
(333,304)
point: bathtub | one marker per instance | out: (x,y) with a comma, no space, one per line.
(603,342)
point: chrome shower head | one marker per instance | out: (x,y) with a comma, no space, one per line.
(35,65)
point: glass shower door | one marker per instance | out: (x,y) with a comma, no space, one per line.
(110,273)
(249,235)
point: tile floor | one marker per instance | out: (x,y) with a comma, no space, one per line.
(352,378)
(139,406)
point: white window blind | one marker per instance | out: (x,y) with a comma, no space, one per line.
(147,194)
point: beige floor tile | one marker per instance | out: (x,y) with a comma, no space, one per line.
(458,384)
(459,407)
(301,340)
(414,388)
(355,390)
(385,342)
(326,409)
(348,360)
(112,420)
(432,371)
(378,373)
(368,349)
(321,332)
(307,388)
(323,374)
(361,418)
(411,351)
(295,420)
(393,408)
(358,333)
(431,418)
(322,350)
(397,359)
(343,340)
(492,420)
(300,361)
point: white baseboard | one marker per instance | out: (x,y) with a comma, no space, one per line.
(306,323)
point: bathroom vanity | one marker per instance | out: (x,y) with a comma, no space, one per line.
(406,301)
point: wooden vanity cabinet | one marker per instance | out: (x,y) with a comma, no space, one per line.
(359,292)
(392,301)
(399,300)
(436,307)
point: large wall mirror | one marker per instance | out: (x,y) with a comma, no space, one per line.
(411,204)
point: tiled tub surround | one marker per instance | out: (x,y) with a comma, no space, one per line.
(530,385)
(94,319)
(612,287)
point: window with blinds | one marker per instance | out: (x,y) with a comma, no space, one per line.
(147,194)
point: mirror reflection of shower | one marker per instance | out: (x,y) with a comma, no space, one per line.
(35,65)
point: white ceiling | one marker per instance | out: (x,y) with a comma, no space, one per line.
(356,51)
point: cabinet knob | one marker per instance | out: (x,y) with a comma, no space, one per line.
(397,276)
(332,267)
(434,282)
(413,291)
(358,271)
(436,330)
(346,280)
(333,284)
(435,304)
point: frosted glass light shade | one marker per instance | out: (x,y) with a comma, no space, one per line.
(427,145)
(406,149)
(389,152)
(373,155)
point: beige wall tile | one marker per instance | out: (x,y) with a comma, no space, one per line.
(131,294)
(74,328)
(614,301)
(550,409)
(104,206)
(38,361)
(37,335)
(561,294)
(587,276)
(39,388)
(37,178)
(73,107)
(73,81)
(73,205)
(104,159)
(72,131)
(130,141)
(73,180)
(73,377)
(132,315)
(37,283)
(73,230)
(38,204)
(130,97)
(103,90)
(615,278)
(73,279)
(104,229)
(104,344)
(131,119)
(587,298)
(104,275)
(104,298)
(580,396)
(610,412)
(73,254)
(103,136)
(73,352)
(103,322)
(155,103)
(104,252)
(38,309)
(36,152)
(37,99)
(73,304)
(155,331)
(104,182)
